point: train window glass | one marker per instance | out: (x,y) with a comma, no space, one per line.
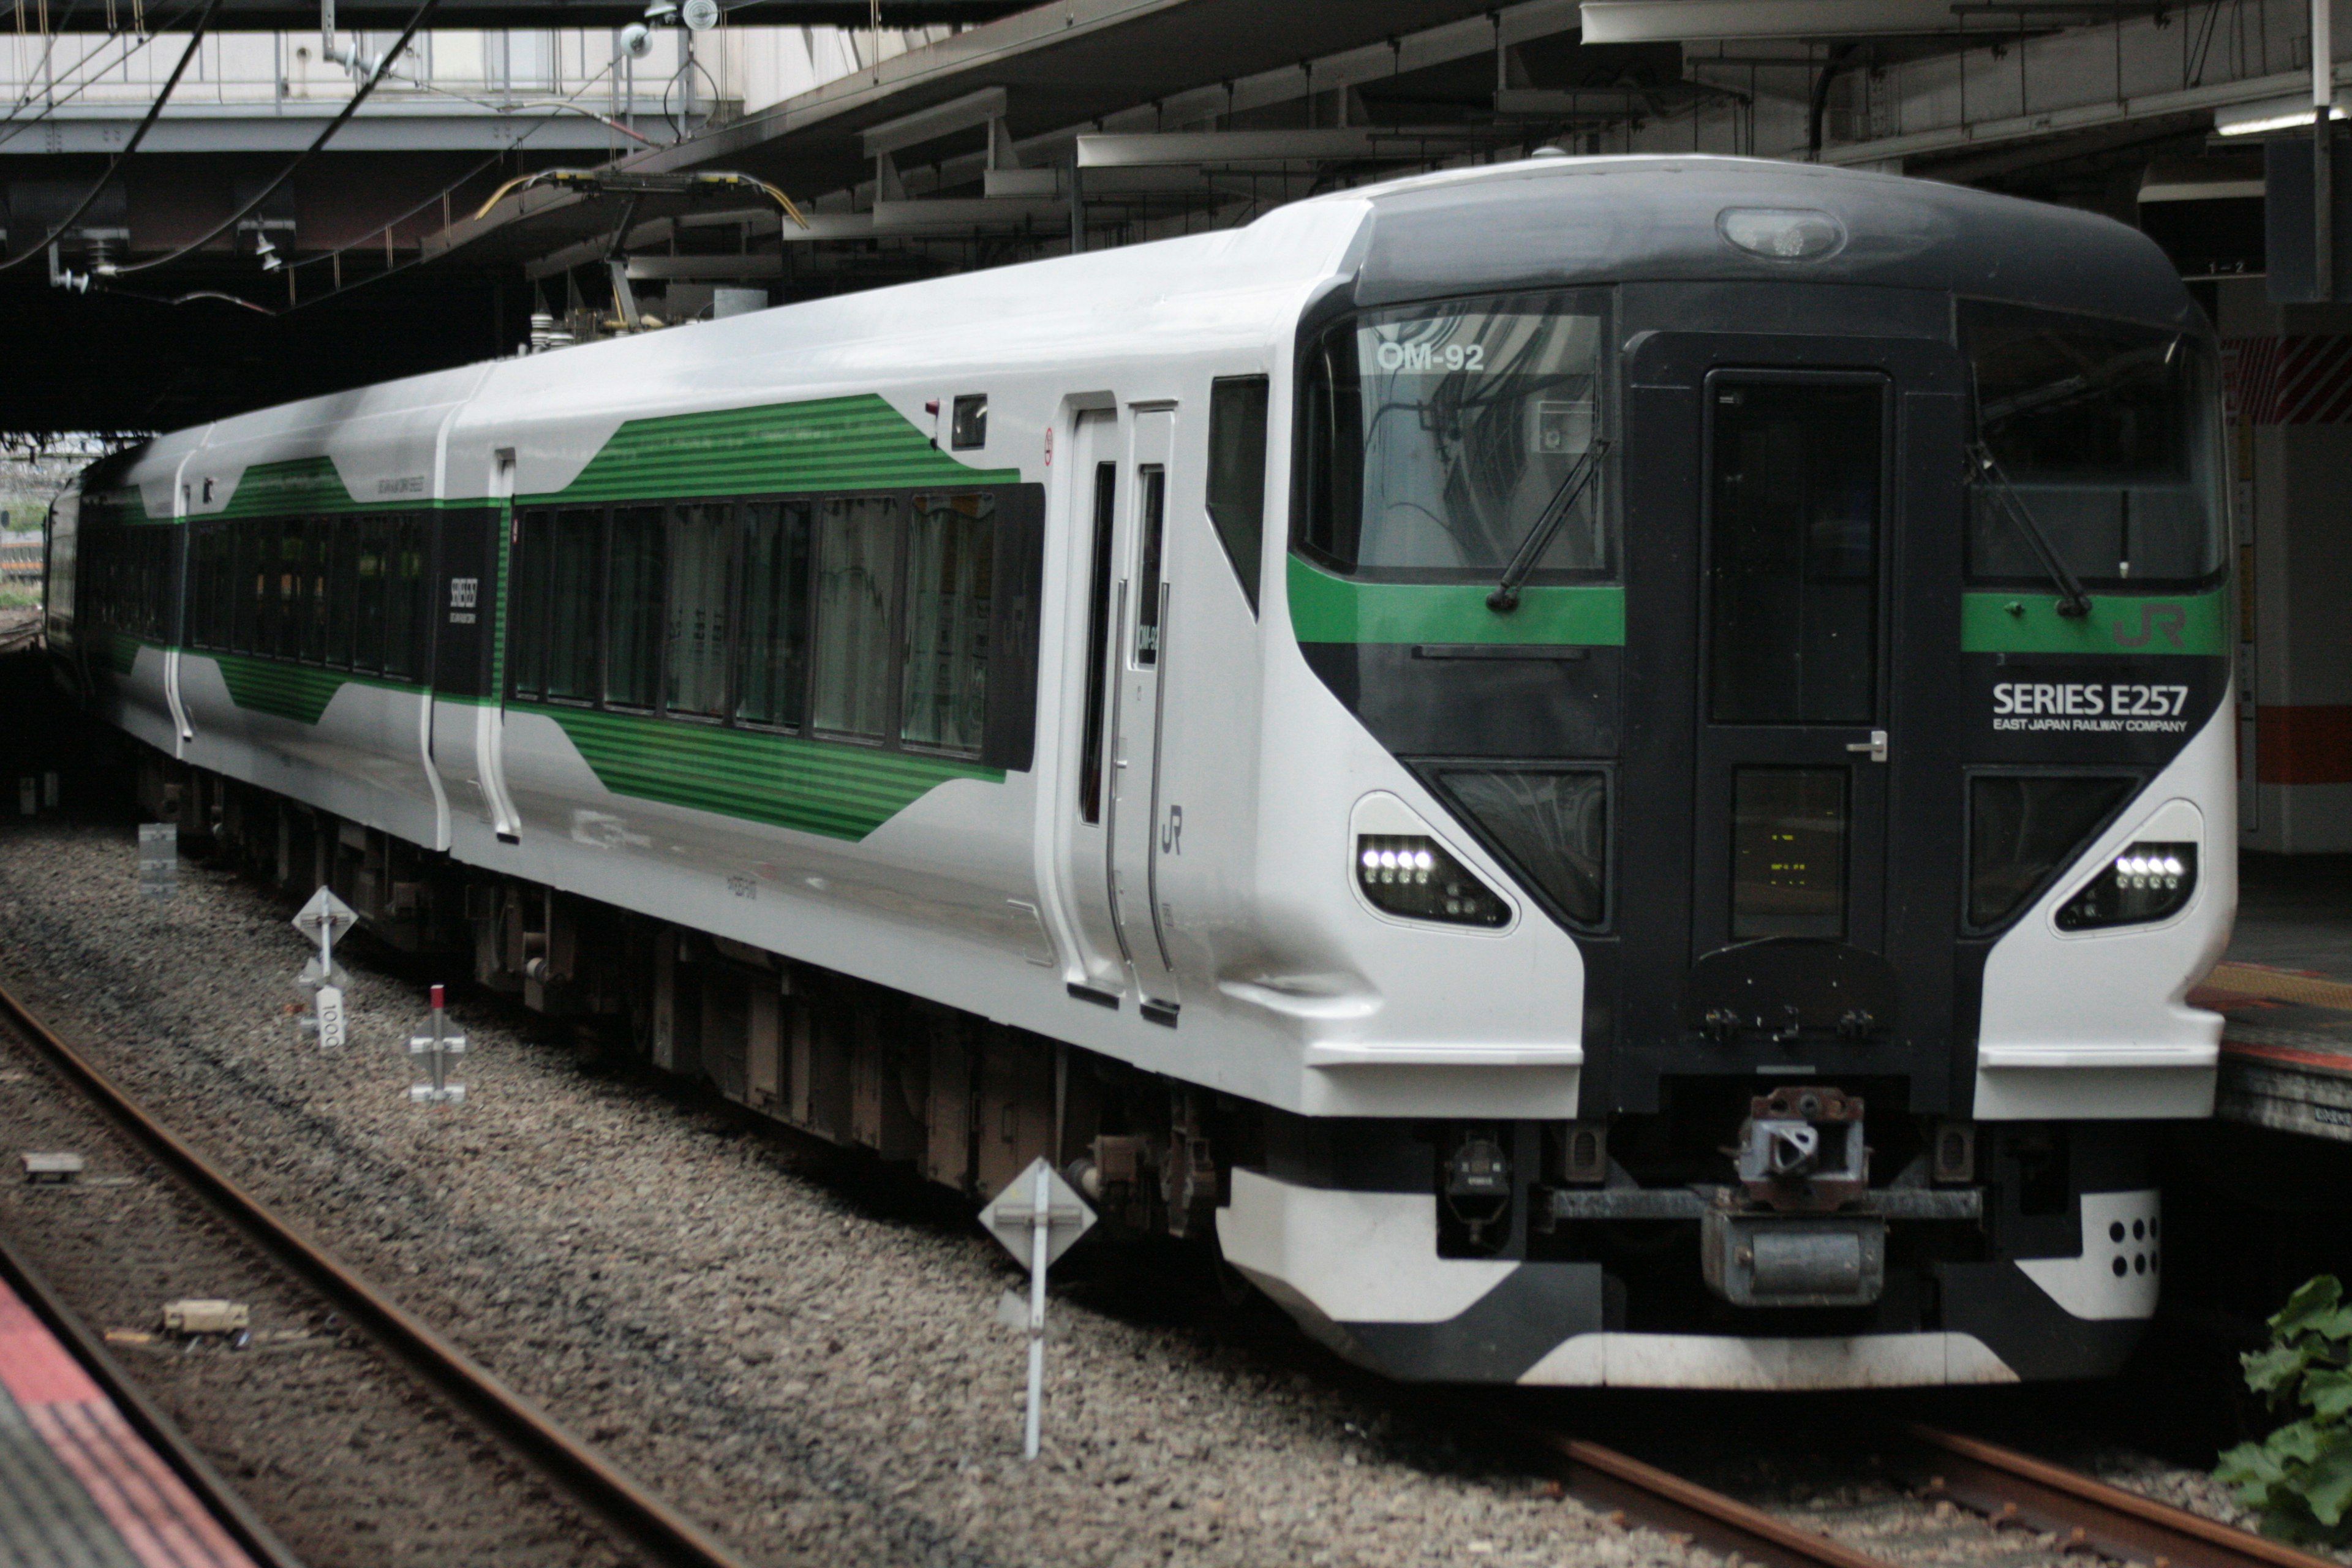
(1237,474)
(632,605)
(951,589)
(534,544)
(2106,435)
(1788,850)
(200,588)
(1551,826)
(2024,830)
(318,588)
(1438,437)
(1153,484)
(571,619)
(285,588)
(773,681)
(343,577)
(696,655)
(367,642)
(858,588)
(251,579)
(403,604)
(968,426)
(1091,769)
(1792,551)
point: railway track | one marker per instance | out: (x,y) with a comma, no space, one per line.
(595,1483)
(2007,1489)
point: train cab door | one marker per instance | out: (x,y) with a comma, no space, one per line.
(1099,456)
(1139,646)
(1792,743)
(1792,628)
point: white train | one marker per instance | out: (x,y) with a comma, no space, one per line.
(1611,770)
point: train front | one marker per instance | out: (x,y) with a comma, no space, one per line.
(1805,594)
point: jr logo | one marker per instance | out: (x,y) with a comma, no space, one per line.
(2170,619)
(1171,832)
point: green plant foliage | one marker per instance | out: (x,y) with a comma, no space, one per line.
(2300,1476)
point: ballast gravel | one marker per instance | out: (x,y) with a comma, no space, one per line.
(803,1355)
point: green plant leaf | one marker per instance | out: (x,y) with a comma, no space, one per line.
(2274,1371)
(2328,1486)
(2296,1442)
(2315,1299)
(2251,1470)
(2328,1391)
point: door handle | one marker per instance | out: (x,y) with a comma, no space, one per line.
(1875,745)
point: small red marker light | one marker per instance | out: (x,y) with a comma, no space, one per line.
(436,998)
(932,406)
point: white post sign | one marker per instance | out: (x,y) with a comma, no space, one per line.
(159,858)
(1038,1218)
(322,920)
(440,1044)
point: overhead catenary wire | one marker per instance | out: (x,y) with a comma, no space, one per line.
(154,111)
(384,68)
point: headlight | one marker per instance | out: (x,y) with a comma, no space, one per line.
(1411,874)
(2146,882)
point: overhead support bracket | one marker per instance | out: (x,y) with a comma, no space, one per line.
(1148,149)
(970,112)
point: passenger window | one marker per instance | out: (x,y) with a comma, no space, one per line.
(317,589)
(533,548)
(404,596)
(1090,768)
(571,605)
(343,574)
(1147,570)
(697,633)
(773,680)
(633,603)
(1237,475)
(367,654)
(857,586)
(951,585)
(251,580)
(285,640)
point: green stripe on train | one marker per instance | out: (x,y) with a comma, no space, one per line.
(299,485)
(294,691)
(787,781)
(834,443)
(1325,608)
(2128,623)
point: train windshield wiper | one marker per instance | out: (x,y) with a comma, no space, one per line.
(1506,596)
(2072,603)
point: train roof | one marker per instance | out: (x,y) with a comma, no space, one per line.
(1555,221)
(1538,223)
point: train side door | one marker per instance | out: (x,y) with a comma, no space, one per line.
(1133,807)
(1098,486)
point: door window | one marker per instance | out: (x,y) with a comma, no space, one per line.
(1795,496)
(1090,768)
(1146,569)
(1788,853)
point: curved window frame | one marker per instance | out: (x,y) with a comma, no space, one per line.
(1965,307)
(1310,445)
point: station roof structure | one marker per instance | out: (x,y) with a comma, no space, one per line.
(541,171)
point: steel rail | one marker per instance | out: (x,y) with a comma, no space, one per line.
(146,1417)
(594,1481)
(2011,1487)
(1603,1478)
